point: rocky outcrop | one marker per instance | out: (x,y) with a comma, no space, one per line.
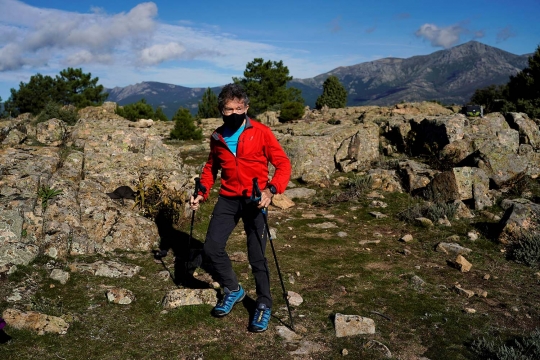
(84,162)
(80,164)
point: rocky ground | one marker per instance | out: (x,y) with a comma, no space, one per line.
(394,239)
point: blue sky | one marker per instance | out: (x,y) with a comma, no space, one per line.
(206,42)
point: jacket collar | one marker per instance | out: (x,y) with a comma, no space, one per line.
(219,130)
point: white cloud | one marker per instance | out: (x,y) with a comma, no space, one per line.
(47,34)
(159,53)
(445,37)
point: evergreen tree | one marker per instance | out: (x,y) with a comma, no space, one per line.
(72,87)
(524,87)
(79,89)
(136,111)
(492,98)
(266,85)
(32,96)
(334,94)
(184,128)
(291,110)
(208,106)
(159,115)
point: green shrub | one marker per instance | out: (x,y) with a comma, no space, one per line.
(433,211)
(291,110)
(46,193)
(184,129)
(524,348)
(136,111)
(67,114)
(159,115)
(527,249)
(355,188)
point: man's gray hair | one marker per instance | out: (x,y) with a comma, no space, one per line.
(231,92)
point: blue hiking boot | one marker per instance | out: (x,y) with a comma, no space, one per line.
(230,298)
(260,320)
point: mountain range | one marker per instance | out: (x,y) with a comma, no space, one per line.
(450,76)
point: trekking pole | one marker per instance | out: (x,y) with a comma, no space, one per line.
(256,195)
(195,193)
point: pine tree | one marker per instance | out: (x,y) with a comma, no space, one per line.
(159,115)
(184,129)
(524,87)
(208,106)
(334,94)
(266,85)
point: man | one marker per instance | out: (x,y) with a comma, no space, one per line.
(241,148)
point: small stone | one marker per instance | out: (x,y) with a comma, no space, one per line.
(463,292)
(378,215)
(406,252)
(60,275)
(462,264)
(453,238)
(377,234)
(120,296)
(452,248)
(344,352)
(324,225)
(349,325)
(291,279)
(473,235)
(298,273)
(182,297)
(342,234)
(481,293)
(487,276)
(164,274)
(406,238)
(469,310)
(365,242)
(287,334)
(378,203)
(294,298)
(35,321)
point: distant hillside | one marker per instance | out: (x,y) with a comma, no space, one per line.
(450,76)
(169,97)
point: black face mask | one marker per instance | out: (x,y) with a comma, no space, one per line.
(234,120)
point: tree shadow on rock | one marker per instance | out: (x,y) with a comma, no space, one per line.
(188,254)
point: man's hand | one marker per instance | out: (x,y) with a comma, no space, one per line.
(266,198)
(194,203)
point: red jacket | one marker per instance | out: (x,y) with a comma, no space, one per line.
(257,146)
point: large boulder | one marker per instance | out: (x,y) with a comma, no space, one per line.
(458,184)
(432,134)
(529,133)
(521,216)
(311,147)
(415,175)
(51,132)
(358,151)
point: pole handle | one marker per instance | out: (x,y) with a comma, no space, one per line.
(197,187)
(256,192)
